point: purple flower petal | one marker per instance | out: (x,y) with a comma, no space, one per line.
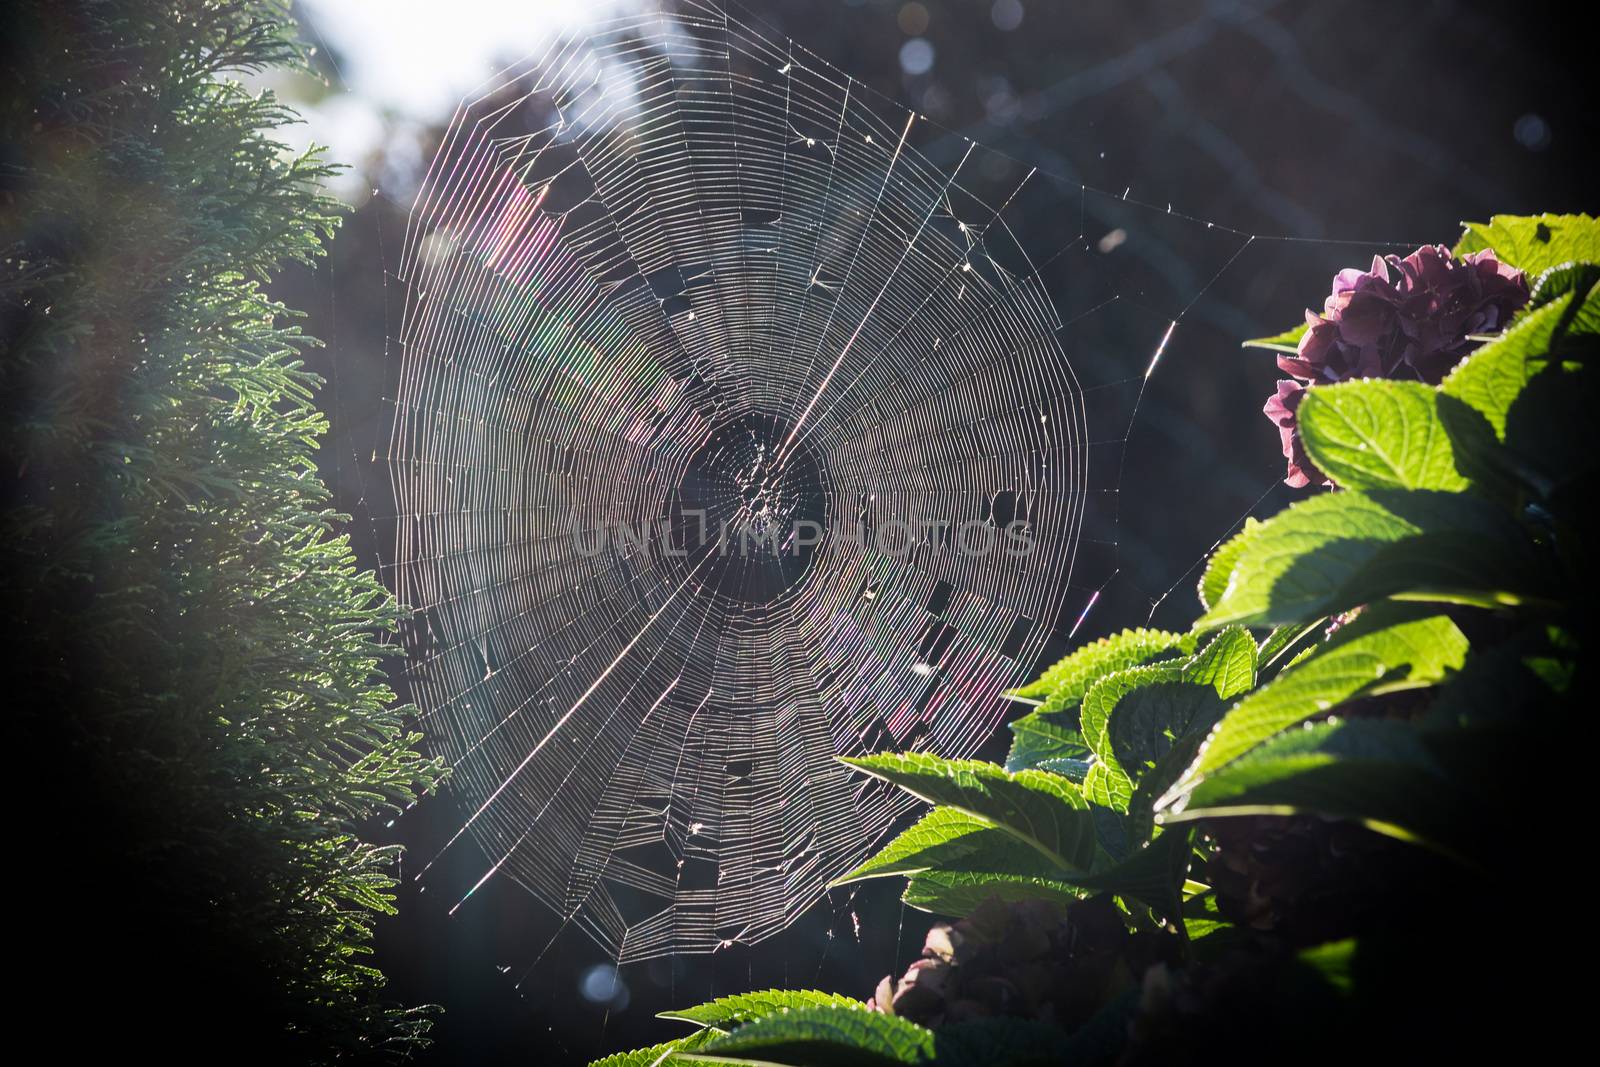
(1281,408)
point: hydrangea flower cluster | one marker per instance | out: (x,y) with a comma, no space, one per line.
(1411,318)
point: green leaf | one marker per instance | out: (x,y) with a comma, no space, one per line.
(943,838)
(948,839)
(1372,771)
(1491,379)
(1383,650)
(959,893)
(1073,769)
(1148,697)
(1534,244)
(1132,718)
(1153,874)
(1070,676)
(831,1036)
(1287,341)
(1376,434)
(1167,772)
(955,861)
(1282,642)
(1516,409)
(1219,569)
(1040,737)
(1044,810)
(1566,278)
(1227,664)
(1051,730)
(725,1013)
(1479,454)
(662,1055)
(1339,550)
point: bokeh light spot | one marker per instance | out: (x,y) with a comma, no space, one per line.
(1006,14)
(916,56)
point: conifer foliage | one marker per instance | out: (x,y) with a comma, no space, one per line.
(195,676)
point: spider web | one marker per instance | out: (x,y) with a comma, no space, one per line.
(678,267)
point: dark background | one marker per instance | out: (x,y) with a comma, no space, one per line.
(1353,127)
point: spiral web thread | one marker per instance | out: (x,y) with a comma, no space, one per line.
(673,259)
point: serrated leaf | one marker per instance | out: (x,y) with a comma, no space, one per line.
(831,1036)
(651,1056)
(959,893)
(1287,341)
(1566,278)
(1219,568)
(1071,769)
(1534,243)
(1039,737)
(1339,550)
(945,838)
(1284,772)
(1112,839)
(959,861)
(1376,434)
(1167,772)
(1375,772)
(1479,453)
(949,840)
(1491,379)
(1282,641)
(1152,694)
(1044,810)
(725,1013)
(1516,409)
(1067,679)
(662,1055)
(955,861)
(1548,438)
(1153,874)
(1372,655)
(1227,664)
(1133,717)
